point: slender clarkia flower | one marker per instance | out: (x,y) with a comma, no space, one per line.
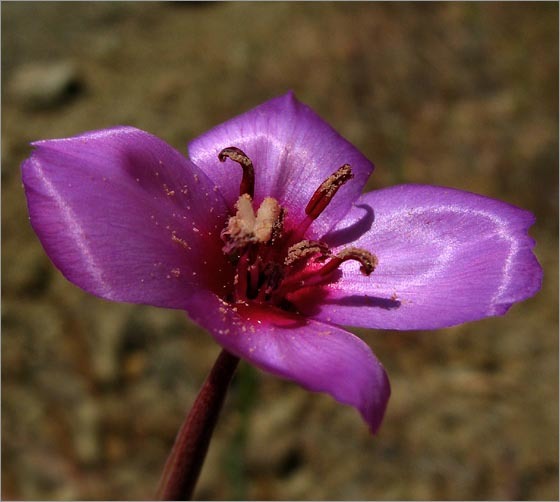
(264,237)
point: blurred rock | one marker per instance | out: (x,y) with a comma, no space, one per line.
(45,84)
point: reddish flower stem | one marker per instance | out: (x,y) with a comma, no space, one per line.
(187,455)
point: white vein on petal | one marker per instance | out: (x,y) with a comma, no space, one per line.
(502,227)
(76,231)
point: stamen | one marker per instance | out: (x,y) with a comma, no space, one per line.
(305,249)
(314,277)
(368,261)
(324,194)
(248,181)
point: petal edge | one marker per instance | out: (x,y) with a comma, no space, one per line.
(317,356)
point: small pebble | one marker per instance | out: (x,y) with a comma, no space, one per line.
(45,84)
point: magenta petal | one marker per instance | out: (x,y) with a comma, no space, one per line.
(445,257)
(293,151)
(318,356)
(125,216)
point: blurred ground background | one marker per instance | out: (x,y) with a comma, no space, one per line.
(457,94)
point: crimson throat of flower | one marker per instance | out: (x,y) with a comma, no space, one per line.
(273,263)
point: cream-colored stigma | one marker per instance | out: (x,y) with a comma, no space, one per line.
(267,216)
(247,227)
(242,224)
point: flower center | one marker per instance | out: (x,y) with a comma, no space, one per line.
(272,262)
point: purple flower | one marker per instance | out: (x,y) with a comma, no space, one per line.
(263,237)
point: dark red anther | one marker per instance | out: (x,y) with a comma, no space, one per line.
(248,181)
(324,194)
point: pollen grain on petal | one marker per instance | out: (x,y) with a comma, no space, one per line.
(168,191)
(179,241)
(174,273)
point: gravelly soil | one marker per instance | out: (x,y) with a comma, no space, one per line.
(463,95)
